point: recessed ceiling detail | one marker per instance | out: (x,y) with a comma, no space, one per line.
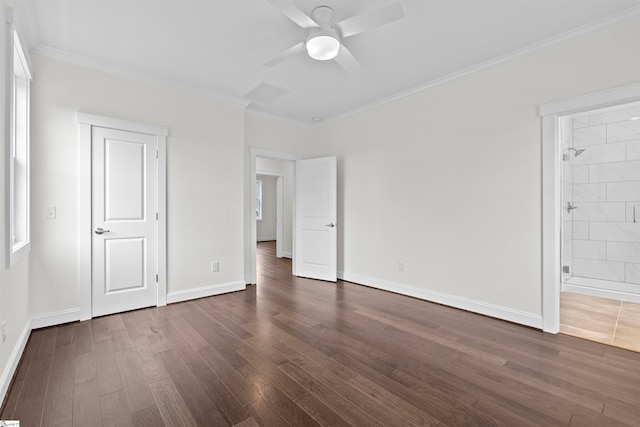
(265,93)
(220,46)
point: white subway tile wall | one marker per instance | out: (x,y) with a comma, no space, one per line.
(580,174)
(590,249)
(633,150)
(590,135)
(580,230)
(601,237)
(602,153)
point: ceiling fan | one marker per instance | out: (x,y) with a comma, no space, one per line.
(324,41)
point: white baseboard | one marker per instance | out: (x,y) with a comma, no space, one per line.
(266,239)
(205,291)
(504,313)
(287,255)
(14,359)
(57,318)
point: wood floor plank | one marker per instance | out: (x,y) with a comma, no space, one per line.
(197,400)
(172,407)
(148,417)
(100,328)
(84,338)
(11,400)
(87,410)
(264,414)
(229,406)
(44,342)
(67,334)
(249,422)
(115,410)
(58,408)
(85,368)
(30,405)
(107,369)
(348,409)
(135,384)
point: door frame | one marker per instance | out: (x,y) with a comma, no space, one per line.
(552,189)
(279,209)
(270,154)
(85,230)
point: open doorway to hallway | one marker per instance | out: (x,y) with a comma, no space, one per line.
(274,206)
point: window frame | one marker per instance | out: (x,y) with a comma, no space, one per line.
(17,142)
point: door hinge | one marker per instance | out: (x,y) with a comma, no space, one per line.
(156,278)
(156,154)
(156,216)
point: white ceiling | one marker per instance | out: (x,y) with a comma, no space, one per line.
(218,47)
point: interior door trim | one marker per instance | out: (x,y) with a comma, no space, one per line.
(85,124)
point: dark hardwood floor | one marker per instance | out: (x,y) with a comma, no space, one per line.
(297,352)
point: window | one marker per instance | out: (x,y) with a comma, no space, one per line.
(17,163)
(259,199)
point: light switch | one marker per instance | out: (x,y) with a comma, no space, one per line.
(49,212)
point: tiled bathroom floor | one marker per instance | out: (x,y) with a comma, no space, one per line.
(603,320)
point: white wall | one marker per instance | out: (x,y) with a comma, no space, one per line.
(266,227)
(204,177)
(14,282)
(448,181)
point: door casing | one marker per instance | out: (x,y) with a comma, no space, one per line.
(85,124)
(552,189)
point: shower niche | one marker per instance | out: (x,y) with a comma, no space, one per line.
(601,202)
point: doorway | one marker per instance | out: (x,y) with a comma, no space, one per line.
(552,203)
(124,203)
(282,166)
(274,204)
(314,217)
(601,225)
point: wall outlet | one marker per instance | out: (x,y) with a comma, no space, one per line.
(215,266)
(49,212)
(3,330)
(400,266)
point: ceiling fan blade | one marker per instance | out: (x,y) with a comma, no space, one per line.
(367,21)
(292,12)
(347,61)
(292,51)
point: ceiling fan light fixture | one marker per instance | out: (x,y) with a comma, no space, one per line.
(323,47)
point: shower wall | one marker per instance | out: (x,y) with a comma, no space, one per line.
(601,237)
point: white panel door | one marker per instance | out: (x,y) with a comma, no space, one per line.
(124,206)
(316,219)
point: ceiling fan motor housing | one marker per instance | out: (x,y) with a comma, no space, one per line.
(323,43)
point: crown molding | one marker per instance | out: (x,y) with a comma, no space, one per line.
(613,21)
(109,68)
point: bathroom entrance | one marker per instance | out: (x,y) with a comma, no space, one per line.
(600,248)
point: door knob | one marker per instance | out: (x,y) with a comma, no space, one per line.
(101,231)
(331,225)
